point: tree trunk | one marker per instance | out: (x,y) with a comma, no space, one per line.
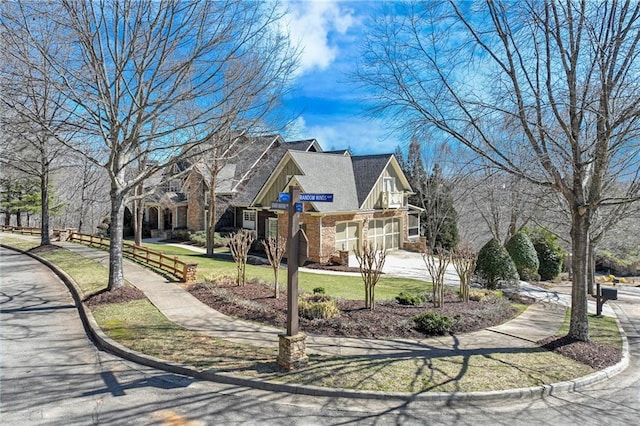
(45,238)
(211,227)
(591,269)
(18,218)
(579,327)
(116,273)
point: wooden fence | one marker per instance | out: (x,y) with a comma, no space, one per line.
(21,230)
(186,272)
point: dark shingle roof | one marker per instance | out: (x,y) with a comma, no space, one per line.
(366,171)
(257,178)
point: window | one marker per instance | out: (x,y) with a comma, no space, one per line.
(347,236)
(249,219)
(413,227)
(389,184)
(384,234)
(174,186)
(271,227)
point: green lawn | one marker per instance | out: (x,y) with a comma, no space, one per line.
(346,287)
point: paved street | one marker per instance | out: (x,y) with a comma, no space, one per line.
(52,374)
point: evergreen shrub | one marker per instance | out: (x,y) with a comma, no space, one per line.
(524,256)
(495,266)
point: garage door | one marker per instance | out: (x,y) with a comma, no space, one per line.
(347,236)
(384,233)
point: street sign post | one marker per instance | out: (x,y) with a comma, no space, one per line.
(315,198)
(292,347)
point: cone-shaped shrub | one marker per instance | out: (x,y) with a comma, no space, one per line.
(550,255)
(524,255)
(495,265)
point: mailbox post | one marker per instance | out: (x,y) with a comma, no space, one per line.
(602,295)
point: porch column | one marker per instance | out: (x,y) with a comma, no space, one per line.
(160,218)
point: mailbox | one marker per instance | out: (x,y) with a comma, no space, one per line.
(609,293)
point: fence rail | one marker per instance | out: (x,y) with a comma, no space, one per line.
(186,272)
(21,230)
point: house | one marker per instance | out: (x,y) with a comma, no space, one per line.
(369,203)
(180,201)
(370,195)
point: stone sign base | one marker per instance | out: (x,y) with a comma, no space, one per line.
(292,352)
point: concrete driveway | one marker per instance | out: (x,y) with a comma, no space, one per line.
(407,264)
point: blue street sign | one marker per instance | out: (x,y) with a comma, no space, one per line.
(284,197)
(298,207)
(323,198)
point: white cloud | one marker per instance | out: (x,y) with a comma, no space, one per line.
(360,135)
(296,130)
(311,24)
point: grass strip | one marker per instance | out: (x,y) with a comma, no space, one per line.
(19,243)
(601,329)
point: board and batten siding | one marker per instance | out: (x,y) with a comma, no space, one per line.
(374,200)
(289,169)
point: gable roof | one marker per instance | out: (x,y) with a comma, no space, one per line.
(324,174)
(263,170)
(366,171)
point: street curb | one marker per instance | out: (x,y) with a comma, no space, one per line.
(103,342)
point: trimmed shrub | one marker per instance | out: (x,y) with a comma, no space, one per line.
(319,290)
(524,255)
(495,266)
(550,254)
(410,299)
(432,323)
(199,238)
(317,306)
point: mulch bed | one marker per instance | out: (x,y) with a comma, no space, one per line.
(119,295)
(255,302)
(595,355)
(44,249)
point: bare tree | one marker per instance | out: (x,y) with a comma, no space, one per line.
(464,261)
(275,248)
(240,244)
(437,261)
(544,90)
(32,114)
(370,261)
(148,79)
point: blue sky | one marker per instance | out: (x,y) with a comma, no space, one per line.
(331,107)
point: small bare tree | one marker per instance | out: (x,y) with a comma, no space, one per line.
(371,260)
(464,261)
(437,261)
(275,248)
(239,244)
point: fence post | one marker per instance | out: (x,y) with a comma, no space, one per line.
(189,272)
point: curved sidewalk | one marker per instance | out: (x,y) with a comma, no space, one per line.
(540,320)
